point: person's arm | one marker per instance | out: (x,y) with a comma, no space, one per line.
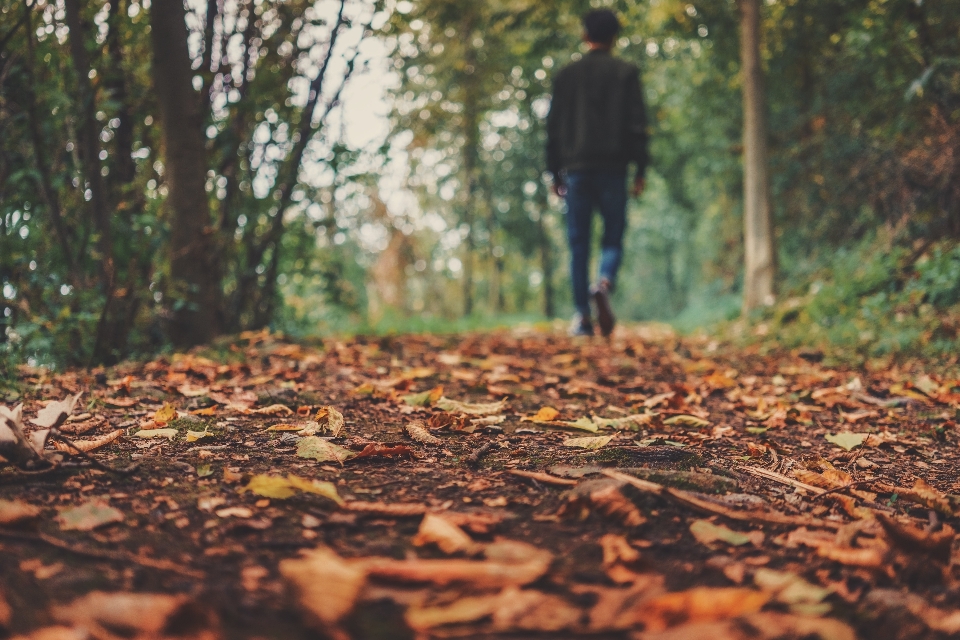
(637,130)
(554,118)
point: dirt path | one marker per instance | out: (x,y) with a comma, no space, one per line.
(487,485)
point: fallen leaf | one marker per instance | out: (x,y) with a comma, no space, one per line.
(790,589)
(165,414)
(424,399)
(169,434)
(606,498)
(234,512)
(280,487)
(513,609)
(272,410)
(418,431)
(506,562)
(326,585)
(54,413)
(89,516)
(583,424)
(331,419)
(14,511)
(321,450)
(707,533)
(476,409)
(594,442)
(544,414)
(448,537)
(846,439)
(193,436)
(936,545)
(285,427)
(687,421)
(380,450)
(700,604)
(826,547)
(631,422)
(88,445)
(131,614)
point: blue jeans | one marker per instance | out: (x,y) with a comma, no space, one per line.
(606,190)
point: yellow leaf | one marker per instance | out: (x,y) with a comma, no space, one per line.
(193,436)
(593,442)
(165,414)
(545,414)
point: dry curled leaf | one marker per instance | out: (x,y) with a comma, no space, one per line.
(447,536)
(321,450)
(327,586)
(418,431)
(273,410)
(605,497)
(87,445)
(54,413)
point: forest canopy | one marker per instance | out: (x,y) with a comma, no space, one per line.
(170,173)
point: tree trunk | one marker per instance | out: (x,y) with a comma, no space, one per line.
(194,288)
(759,245)
(470,155)
(546,252)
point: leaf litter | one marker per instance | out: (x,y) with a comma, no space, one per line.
(732,496)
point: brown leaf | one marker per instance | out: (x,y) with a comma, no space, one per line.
(418,431)
(129,614)
(14,511)
(449,538)
(385,451)
(909,539)
(605,497)
(89,516)
(327,586)
(826,547)
(700,604)
(507,563)
(88,445)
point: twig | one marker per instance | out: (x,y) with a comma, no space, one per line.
(843,488)
(96,463)
(782,479)
(690,500)
(474,457)
(115,556)
(542,477)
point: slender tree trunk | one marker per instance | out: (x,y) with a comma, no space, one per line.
(759,244)
(546,253)
(470,153)
(194,263)
(88,143)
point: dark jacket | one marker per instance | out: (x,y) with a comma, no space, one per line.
(597,117)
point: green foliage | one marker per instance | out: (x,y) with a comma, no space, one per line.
(876,299)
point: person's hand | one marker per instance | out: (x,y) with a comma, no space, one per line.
(559,189)
(639,184)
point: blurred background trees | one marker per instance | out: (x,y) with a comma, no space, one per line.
(435,206)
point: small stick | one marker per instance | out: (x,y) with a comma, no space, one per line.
(474,457)
(542,477)
(843,488)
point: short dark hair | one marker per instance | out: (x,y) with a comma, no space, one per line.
(601,26)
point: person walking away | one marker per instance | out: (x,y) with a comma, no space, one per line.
(596,128)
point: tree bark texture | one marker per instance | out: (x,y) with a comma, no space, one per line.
(194,290)
(759,243)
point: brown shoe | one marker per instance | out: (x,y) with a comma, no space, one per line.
(601,297)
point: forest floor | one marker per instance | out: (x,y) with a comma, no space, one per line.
(502,484)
